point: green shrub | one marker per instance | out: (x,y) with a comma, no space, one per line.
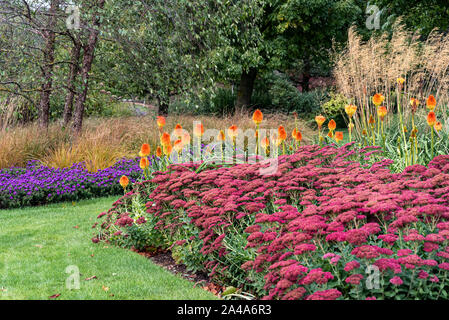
(335,108)
(287,98)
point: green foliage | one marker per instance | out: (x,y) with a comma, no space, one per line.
(335,108)
(421,15)
(287,98)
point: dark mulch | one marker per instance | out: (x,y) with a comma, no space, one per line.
(166,261)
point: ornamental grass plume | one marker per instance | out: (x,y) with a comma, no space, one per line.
(145,150)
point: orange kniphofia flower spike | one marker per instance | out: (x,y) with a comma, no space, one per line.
(431,102)
(431,118)
(232,131)
(145,150)
(158,152)
(414,101)
(168,149)
(332,125)
(282,133)
(350,110)
(160,121)
(265,142)
(124,181)
(221,136)
(178,130)
(320,120)
(294,133)
(144,163)
(165,139)
(338,136)
(185,138)
(382,112)
(257,117)
(371,120)
(378,99)
(438,126)
(178,145)
(198,131)
(298,136)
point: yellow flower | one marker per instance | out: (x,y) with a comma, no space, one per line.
(438,126)
(400,81)
(320,120)
(378,99)
(382,112)
(350,110)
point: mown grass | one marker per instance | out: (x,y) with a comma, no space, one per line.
(38,244)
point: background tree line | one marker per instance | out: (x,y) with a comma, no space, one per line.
(161,49)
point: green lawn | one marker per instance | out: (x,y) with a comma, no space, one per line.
(38,244)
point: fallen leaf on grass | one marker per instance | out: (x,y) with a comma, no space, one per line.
(91,278)
(76,227)
(39,246)
(105,288)
(3,289)
(54,296)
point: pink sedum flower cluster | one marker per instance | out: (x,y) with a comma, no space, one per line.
(310,230)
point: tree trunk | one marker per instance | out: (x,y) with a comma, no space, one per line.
(88,58)
(163,104)
(74,70)
(306,75)
(245,90)
(47,68)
